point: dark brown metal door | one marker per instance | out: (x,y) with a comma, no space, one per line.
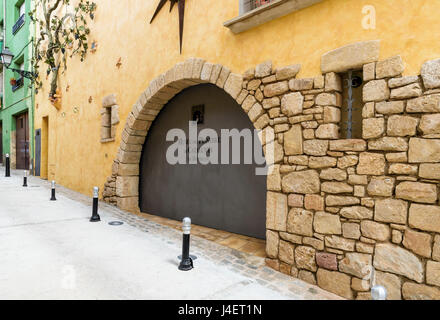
(228,197)
(22,141)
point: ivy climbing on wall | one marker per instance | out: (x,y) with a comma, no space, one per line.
(62,32)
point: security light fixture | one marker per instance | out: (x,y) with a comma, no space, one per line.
(7,57)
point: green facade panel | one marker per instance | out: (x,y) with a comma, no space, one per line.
(17,35)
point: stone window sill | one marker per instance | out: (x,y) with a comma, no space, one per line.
(107,140)
(266,13)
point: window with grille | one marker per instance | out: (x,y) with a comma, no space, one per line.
(351,110)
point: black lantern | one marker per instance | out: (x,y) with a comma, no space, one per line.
(7,57)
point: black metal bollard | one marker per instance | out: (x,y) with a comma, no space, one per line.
(95,216)
(8,166)
(53,191)
(25,179)
(186,263)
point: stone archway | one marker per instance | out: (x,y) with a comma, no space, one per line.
(193,71)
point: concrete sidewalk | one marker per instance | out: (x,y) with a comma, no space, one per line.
(50,250)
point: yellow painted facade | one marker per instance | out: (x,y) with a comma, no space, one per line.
(72,152)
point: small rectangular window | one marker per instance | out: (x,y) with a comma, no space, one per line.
(352,103)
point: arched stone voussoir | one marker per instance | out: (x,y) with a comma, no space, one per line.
(163,88)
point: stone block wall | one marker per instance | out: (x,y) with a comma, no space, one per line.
(336,208)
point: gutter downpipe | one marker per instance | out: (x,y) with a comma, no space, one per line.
(3,67)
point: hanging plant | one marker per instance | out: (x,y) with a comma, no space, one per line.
(59,36)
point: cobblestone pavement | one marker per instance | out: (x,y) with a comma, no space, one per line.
(251,267)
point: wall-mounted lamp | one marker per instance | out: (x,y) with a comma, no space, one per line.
(7,57)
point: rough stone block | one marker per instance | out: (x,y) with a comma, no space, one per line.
(336,282)
(388,144)
(381,186)
(109,100)
(339,243)
(402,81)
(410,91)
(428,103)
(436,248)
(351,231)
(414,291)
(292,104)
(276,211)
(424,217)
(356,212)
(390,107)
(417,192)
(127,186)
(272,242)
(286,253)
(314,202)
(392,284)
(391,210)
(341,201)
(326,223)
(336,187)
(403,169)
(233,85)
(333,174)
(369,71)
(371,164)
(300,221)
(327,260)
(305,258)
(301,84)
(348,145)
(376,90)
(374,230)
(430,171)
(303,182)
(430,73)
(424,150)
(327,131)
(287,72)
(333,82)
(430,124)
(356,264)
(276,89)
(263,69)
(418,242)
(401,126)
(397,260)
(373,128)
(390,67)
(351,56)
(315,147)
(328,99)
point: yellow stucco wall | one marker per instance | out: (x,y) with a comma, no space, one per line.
(78,160)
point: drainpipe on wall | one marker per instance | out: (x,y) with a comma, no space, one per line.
(3,67)
(32,94)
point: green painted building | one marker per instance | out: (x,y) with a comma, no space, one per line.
(16,112)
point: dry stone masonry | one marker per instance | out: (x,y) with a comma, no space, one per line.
(335,208)
(353,204)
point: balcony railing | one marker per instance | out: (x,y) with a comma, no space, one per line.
(18,84)
(18,24)
(254,4)
(249,5)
